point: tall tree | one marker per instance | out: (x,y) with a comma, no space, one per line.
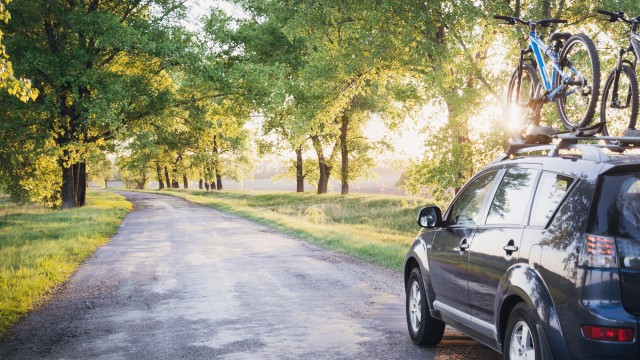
(100,67)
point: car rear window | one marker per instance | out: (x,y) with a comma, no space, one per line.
(616,213)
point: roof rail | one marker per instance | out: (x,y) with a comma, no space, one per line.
(589,152)
(567,141)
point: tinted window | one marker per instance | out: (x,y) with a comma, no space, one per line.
(512,196)
(617,207)
(466,209)
(551,190)
(617,214)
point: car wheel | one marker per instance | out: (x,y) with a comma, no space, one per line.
(521,340)
(424,329)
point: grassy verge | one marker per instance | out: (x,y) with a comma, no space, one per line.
(40,248)
(376,228)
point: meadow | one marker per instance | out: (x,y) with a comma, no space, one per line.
(40,248)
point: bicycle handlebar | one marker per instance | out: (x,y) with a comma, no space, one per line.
(511,20)
(547,22)
(618,15)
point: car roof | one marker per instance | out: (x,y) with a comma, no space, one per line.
(575,159)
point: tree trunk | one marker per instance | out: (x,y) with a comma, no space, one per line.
(299,170)
(67,194)
(344,150)
(325,169)
(166,177)
(106,184)
(200,184)
(82,183)
(174,178)
(185,181)
(212,185)
(159,175)
(74,185)
(218,182)
(206,185)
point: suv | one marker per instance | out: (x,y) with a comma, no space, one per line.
(537,257)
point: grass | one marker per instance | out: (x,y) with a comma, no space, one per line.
(41,248)
(376,228)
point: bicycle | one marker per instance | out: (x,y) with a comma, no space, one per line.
(617,114)
(572,80)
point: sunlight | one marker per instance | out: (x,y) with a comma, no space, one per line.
(514,117)
(408,141)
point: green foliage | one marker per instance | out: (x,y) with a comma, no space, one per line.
(21,88)
(101,68)
(40,248)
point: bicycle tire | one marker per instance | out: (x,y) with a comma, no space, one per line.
(617,122)
(587,95)
(518,116)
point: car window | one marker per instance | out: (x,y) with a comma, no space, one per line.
(509,203)
(466,209)
(551,190)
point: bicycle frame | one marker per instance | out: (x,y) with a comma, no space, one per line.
(634,48)
(539,48)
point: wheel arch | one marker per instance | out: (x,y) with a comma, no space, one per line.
(417,258)
(524,284)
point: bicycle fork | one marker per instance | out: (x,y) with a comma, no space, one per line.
(615,101)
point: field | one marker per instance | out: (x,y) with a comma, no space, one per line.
(41,248)
(376,228)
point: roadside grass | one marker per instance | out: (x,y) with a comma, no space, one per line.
(40,248)
(376,228)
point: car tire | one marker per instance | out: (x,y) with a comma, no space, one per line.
(521,338)
(423,329)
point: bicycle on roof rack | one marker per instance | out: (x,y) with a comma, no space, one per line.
(619,106)
(572,80)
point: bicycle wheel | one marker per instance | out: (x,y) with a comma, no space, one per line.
(518,112)
(577,102)
(619,112)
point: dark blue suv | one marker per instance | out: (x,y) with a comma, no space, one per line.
(538,257)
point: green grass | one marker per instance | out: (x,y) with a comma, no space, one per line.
(376,228)
(41,248)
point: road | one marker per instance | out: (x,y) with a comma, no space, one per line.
(182,281)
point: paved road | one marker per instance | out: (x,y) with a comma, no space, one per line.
(181,281)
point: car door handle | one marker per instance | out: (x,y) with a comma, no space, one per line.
(510,248)
(463,246)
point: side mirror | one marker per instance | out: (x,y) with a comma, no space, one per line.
(430,217)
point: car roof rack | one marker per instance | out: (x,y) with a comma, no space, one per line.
(593,152)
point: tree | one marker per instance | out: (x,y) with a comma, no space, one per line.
(100,168)
(101,67)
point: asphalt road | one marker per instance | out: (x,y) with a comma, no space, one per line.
(182,281)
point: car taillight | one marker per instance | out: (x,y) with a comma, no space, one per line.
(599,251)
(602,333)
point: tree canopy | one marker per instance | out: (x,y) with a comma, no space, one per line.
(172,102)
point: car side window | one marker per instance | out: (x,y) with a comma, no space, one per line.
(466,209)
(552,188)
(510,202)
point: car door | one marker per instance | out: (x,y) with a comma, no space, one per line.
(448,256)
(495,244)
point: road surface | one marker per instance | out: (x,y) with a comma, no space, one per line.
(182,281)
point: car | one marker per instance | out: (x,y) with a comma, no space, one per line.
(537,257)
